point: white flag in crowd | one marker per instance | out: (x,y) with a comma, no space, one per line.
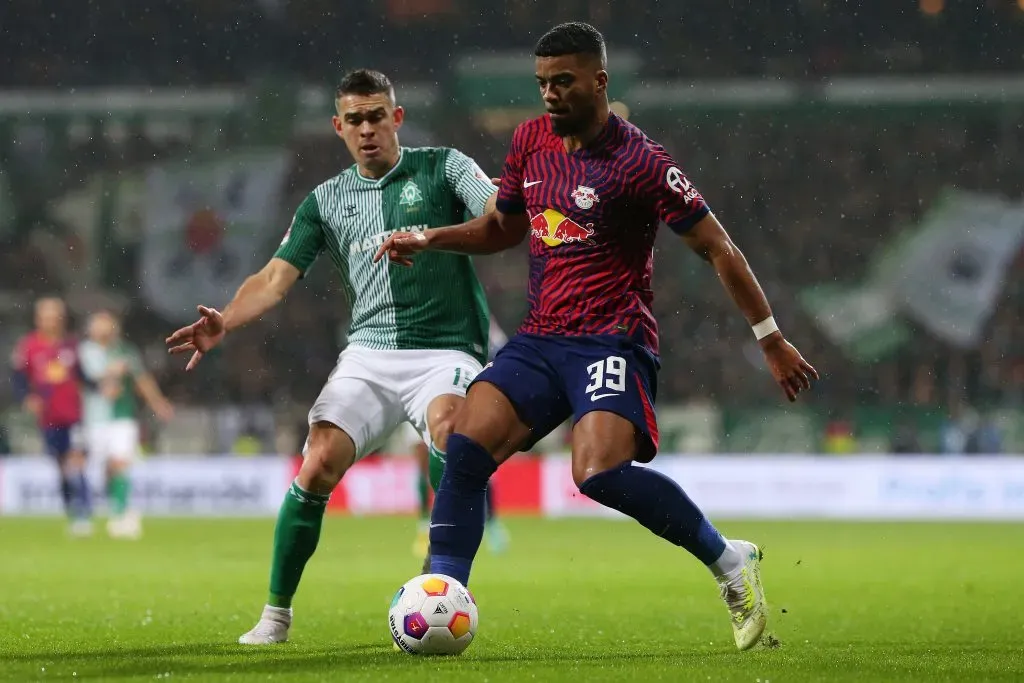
(955,266)
(204,228)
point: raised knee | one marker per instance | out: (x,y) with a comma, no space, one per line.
(590,460)
(329,454)
(321,470)
(441,431)
(584,466)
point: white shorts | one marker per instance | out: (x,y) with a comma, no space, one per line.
(403,440)
(114,440)
(370,392)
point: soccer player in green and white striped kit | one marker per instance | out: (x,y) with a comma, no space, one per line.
(418,336)
(115,374)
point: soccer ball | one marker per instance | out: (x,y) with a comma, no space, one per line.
(433,614)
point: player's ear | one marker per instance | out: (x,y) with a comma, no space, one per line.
(399,117)
(336,122)
(602,81)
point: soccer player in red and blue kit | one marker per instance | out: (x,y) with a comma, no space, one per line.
(590,190)
(47,381)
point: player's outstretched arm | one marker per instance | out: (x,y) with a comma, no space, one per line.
(493,232)
(258,294)
(712,243)
(148,388)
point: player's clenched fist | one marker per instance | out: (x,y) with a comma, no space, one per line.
(400,247)
(199,337)
(788,367)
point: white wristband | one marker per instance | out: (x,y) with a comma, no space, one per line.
(765,327)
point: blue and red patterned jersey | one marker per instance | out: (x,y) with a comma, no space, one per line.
(50,368)
(594,214)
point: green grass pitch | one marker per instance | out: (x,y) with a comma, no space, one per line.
(580,600)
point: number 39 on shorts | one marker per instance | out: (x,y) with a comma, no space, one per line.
(608,375)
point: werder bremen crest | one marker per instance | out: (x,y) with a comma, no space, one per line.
(410,195)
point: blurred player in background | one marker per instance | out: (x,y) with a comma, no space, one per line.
(114,373)
(430,469)
(590,189)
(416,339)
(47,381)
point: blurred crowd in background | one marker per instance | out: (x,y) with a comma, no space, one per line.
(188,42)
(809,199)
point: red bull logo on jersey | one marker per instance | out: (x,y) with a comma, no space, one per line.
(553,229)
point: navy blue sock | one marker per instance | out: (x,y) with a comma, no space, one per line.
(659,504)
(457,520)
(65,493)
(85,497)
(489,502)
(78,495)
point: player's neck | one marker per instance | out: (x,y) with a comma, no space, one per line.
(51,337)
(380,170)
(576,142)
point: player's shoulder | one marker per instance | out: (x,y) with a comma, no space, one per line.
(23,347)
(426,154)
(125,348)
(531,128)
(328,187)
(430,159)
(633,138)
(90,350)
(129,352)
(30,340)
(322,195)
(337,181)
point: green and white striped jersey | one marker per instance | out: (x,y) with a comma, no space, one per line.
(436,304)
(96,362)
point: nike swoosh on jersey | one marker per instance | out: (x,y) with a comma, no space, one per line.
(594,397)
(527,183)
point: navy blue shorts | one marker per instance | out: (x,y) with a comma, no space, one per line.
(549,379)
(59,441)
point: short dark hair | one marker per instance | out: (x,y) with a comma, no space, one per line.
(572,38)
(365,82)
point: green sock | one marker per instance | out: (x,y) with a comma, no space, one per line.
(118,489)
(295,538)
(437,458)
(421,488)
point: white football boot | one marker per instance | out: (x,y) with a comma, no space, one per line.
(271,628)
(127,526)
(744,597)
(81,528)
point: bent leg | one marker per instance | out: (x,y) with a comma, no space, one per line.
(63,445)
(441,413)
(350,418)
(515,401)
(73,468)
(329,454)
(603,447)
(488,432)
(604,444)
(421,454)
